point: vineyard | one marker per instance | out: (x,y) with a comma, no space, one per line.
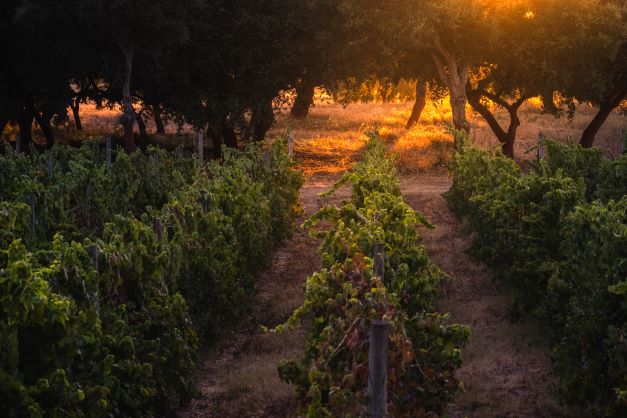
(112,274)
(313,209)
(121,274)
(342,299)
(556,236)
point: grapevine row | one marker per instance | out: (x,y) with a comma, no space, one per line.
(104,294)
(557,237)
(344,297)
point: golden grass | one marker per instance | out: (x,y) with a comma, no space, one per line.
(534,123)
(331,138)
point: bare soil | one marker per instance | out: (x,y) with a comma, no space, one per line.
(506,370)
(238,378)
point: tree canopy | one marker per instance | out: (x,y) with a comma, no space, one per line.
(220,65)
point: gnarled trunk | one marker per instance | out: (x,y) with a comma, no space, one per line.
(213,131)
(419,105)
(455,74)
(611,101)
(222,133)
(458,108)
(228,135)
(141,125)
(262,120)
(43,120)
(506,138)
(386,93)
(75,106)
(304,99)
(156,111)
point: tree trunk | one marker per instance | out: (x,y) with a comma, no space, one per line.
(507,147)
(43,120)
(75,106)
(25,122)
(128,113)
(611,102)
(141,125)
(506,138)
(229,137)
(458,102)
(419,105)
(262,120)
(304,99)
(156,111)
(216,137)
(455,74)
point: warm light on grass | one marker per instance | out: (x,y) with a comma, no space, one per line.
(330,154)
(330,140)
(422,148)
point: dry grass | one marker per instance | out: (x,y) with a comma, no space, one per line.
(534,123)
(331,138)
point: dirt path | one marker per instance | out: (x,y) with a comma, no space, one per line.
(238,378)
(506,371)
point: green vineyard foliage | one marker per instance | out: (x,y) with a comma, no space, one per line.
(109,275)
(342,299)
(557,237)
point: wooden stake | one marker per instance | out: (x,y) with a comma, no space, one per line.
(290,144)
(201,145)
(93,251)
(379,261)
(88,203)
(378,370)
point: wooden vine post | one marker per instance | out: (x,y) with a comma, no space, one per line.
(379,260)
(93,252)
(290,144)
(201,145)
(378,355)
(540,147)
(18,144)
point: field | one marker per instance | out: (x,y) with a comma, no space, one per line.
(332,129)
(329,208)
(506,369)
